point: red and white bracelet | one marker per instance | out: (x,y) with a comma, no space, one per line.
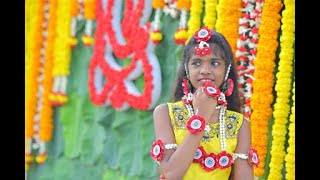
(252,156)
(158,148)
(196,124)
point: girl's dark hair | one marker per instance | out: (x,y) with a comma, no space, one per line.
(221,48)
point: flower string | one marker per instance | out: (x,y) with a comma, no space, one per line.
(169,8)
(39,127)
(247,49)
(290,157)
(282,87)
(74,10)
(33,45)
(89,15)
(181,34)
(194,21)
(228,15)
(62,52)
(263,84)
(210,16)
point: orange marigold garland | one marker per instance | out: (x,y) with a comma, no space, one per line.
(290,157)
(263,83)
(228,15)
(282,87)
(32,66)
(62,53)
(39,124)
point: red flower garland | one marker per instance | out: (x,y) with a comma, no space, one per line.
(114,90)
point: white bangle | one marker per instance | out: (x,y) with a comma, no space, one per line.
(241,156)
(170,146)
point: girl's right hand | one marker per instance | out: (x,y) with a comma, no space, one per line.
(203,104)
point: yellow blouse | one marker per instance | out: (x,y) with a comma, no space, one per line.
(211,142)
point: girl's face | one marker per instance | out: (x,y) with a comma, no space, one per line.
(206,68)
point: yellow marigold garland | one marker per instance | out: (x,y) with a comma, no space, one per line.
(228,15)
(290,157)
(283,86)
(62,53)
(211,14)
(194,21)
(263,83)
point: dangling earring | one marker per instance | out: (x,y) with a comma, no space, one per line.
(229,87)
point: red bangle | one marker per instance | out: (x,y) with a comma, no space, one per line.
(196,124)
(162,177)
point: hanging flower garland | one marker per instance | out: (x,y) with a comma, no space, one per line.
(194,21)
(282,87)
(181,34)
(119,90)
(62,53)
(89,15)
(228,15)
(74,13)
(39,127)
(290,157)
(209,19)
(247,49)
(32,66)
(169,8)
(263,84)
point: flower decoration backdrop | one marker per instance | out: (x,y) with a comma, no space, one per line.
(95,69)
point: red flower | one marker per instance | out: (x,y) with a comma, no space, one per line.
(199,155)
(211,90)
(196,124)
(202,51)
(254,158)
(157,150)
(224,160)
(203,34)
(209,162)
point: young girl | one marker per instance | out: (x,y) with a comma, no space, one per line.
(202,134)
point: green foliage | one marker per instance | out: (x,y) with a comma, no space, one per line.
(91,142)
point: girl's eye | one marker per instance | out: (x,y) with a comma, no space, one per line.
(215,63)
(196,63)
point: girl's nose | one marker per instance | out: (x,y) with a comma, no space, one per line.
(205,69)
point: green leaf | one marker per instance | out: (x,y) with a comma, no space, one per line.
(92,134)
(71,119)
